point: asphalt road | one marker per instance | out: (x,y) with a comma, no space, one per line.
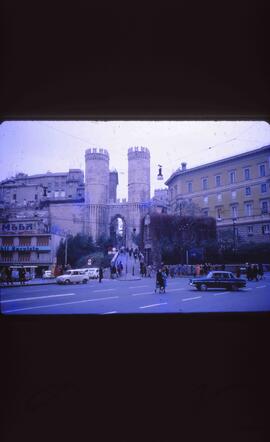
(113,296)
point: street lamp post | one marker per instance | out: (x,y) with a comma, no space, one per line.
(234,234)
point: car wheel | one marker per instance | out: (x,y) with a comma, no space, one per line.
(85,281)
(204,287)
(67,281)
(198,287)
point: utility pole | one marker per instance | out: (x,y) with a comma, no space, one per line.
(66,251)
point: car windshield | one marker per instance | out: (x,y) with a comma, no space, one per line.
(210,275)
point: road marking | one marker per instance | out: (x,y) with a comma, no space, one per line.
(144,293)
(137,286)
(222,293)
(189,299)
(57,305)
(260,287)
(247,289)
(153,305)
(36,297)
(175,290)
(109,313)
(105,290)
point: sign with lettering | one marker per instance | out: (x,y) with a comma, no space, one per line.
(17,227)
(25,249)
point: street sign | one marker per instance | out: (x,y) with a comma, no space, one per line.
(89,262)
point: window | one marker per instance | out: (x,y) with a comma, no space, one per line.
(232,177)
(205,212)
(218,180)
(6,256)
(175,190)
(219,211)
(24,256)
(250,230)
(36,197)
(204,183)
(25,241)
(263,188)
(262,169)
(266,229)
(56,194)
(62,193)
(234,211)
(248,190)
(248,209)
(233,194)
(205,200)
(264,207)
(219,196)
(7,241)
(190,187)
(247,174)
(42,241)
(14,196)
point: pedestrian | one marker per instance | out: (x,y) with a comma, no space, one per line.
(9,276)
(100,274)
(223,267)
(197,270)
(164,276)
(249,273)
(22,275)
(255,272)
(159,281)
(260,270)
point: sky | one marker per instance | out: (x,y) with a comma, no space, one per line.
(36,147)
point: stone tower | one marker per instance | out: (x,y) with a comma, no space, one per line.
(96,176)
(138,174)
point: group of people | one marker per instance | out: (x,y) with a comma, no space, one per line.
(8,277)
(254,272)
(116,270)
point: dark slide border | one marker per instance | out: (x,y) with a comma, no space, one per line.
(150,377)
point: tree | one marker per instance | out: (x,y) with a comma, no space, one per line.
(172,235)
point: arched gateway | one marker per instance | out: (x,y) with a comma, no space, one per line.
(104,214)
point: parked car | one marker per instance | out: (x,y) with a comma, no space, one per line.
(218,279)
(72,276)
(93,273)
(47,274)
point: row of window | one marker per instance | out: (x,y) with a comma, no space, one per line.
(218,184)
(234,193)
(22,257)
(248,210)
(25,241)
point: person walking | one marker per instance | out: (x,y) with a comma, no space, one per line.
(22,275)
(249,273)
(255,272)
(260,270)
(100,274)
(159,281)
(9,276)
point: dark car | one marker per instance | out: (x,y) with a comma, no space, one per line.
(218,280)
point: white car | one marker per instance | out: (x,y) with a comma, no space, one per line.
(72,276)
(47,274)
(92,273)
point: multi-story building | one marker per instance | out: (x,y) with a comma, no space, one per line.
(29,190)
(234,190)
(26,240)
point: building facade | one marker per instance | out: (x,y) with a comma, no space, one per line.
(28,190)
(37,211)
(26,240)
(234,190)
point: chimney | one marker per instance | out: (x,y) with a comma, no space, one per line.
(184,166)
